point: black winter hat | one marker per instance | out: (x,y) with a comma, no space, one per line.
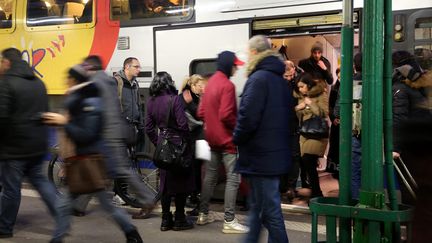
(406,64)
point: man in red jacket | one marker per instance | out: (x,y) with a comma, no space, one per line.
(218,110)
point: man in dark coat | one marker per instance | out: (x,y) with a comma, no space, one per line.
(317,65)
(23,140)
(262,134)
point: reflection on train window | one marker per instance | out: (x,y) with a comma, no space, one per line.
(55,12)
(423,42)
(149,9)
(423,29)
(6,8)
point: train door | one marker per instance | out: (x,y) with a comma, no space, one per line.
(180,49)
(294,36)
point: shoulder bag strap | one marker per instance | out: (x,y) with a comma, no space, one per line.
(169,111)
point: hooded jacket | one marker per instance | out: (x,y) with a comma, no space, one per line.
(130,100)
(262,132)
(218,108)
(23,98)
(319,107)
(412,100)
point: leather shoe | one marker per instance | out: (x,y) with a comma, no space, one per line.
(6,235)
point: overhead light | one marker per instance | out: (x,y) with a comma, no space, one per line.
(298,22)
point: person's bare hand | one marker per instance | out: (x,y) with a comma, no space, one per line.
(187,96)
(322,65)
(336,121)
(51,118)
(396,155)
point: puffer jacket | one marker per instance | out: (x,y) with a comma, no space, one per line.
(262,132)
(84,105)
(411,101)
(23,98)
(319,107)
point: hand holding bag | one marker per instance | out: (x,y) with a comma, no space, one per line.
(315,127)
(85,173)
(168,155)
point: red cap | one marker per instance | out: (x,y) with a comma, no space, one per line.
(238,62)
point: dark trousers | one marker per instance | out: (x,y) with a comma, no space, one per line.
(289,181)
(13,172)
(310,162)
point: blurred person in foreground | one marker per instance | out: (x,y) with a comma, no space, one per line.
(412,93)
(115,150)
(23,139)
(218,110)
(83,125)
(264,138)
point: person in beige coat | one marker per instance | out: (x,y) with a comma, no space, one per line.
(312,100)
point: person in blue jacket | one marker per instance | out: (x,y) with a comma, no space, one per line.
(263,137)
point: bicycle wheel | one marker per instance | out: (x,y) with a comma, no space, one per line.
(150,179)
(57,173)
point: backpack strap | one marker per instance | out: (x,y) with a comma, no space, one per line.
(119,89)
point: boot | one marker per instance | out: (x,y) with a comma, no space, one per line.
(181,223)
(167,221)
(133,237)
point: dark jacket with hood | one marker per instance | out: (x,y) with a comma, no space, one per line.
(411,101)
(218,108)
(84,106)
(130,100)
(23,98)
(310,65)
(262,132)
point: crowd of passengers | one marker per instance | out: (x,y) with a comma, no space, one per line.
(257,143)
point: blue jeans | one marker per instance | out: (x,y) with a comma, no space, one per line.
(265,209)
(13,172)
(210,180)
(65,213)
(356,167)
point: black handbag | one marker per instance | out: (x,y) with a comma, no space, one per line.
(315,127)
(168,155)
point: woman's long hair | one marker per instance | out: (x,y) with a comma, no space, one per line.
(162,81)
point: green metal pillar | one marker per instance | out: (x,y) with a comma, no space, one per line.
(388,121)
(345,136)
(371,192)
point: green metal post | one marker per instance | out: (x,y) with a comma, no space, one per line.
(388,122)
(371,192)
(346,97)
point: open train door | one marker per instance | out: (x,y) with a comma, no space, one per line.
(187,49)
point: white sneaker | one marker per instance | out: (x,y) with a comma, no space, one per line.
(234,227)
(204,218)
(117,200)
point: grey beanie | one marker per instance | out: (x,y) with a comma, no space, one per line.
(317,46)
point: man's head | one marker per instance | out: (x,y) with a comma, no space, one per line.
(358,62)
(8,57)
(227,62)
(131,67)
(258,44)
(92,63)
(290,70)
(316,51)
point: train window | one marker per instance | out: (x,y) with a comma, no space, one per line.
(6,8)
(146,12)
(202,66)
(56,12)
(423,42)
(423,29)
